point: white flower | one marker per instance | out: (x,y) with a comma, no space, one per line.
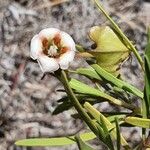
(53,49)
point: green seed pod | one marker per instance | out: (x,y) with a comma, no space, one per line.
(110,50)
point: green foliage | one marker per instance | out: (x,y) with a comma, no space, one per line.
(82,145)
(86,89)
(106,133)
(110,50)
(89,72)
(62,107)
(146,109)
(65,104)
(100,74)
(59,141)
(105,123)
(121,35)
(139,122)
(119,115)
(79,48)
(45,142)
(115,81)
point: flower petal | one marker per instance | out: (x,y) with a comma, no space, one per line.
(49,33)
(59,38)
(48,64)
(35,47)
(66,58)
(67,41)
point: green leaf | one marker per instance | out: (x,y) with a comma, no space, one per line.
(64,98)
(108,141)
(119,116)
(140,122)
(106,40)
(85,89)
(80,48)
(89,72)
(45,142)
(119,32)
(118,134)
(101,133)
(82,145)
(115,81)
(97,115)
(66,105)
(146,104)
(59,141)
(110,51)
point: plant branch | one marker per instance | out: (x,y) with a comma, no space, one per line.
(77,105)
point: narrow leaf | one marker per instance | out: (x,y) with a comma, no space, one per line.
(97,115)
(140,122)
(101,133)
(59,141)
(146,104)
(82,145)
(112,117)
(107,133)
(66,105)
(89,72)
(85,89)
(115,81)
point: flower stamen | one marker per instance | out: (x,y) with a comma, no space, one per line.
(52,51)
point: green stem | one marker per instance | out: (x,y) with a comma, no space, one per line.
(119,31)
(76,103)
